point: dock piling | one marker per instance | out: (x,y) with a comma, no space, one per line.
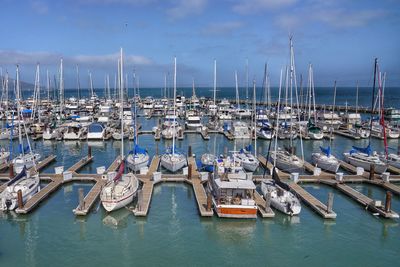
(190,170)
(209,201)
(11,171)
(20,201)
(190,151)
(388,202)
(372,172)
(268,200)
(81,199)
(89,151)
(329,206)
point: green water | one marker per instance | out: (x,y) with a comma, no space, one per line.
(173,233)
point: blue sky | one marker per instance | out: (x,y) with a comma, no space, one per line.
(340,38)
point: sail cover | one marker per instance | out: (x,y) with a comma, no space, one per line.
(326,151)
(367,150)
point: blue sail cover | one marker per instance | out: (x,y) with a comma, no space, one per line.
(8,126)
(326,151)
(249,148)
(18,176)
(26,149)
(138,150)
(367,150)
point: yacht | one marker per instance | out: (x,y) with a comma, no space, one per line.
(96,131)
(75,131)
(240,130)
(286,161)
(280,199)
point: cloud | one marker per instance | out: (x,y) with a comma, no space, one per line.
(117,2)
(39,7)
(255,6)
(222,29)
(48,58)
(184,8)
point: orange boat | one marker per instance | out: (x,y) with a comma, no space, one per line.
(233,193)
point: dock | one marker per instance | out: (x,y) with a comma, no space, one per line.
(90,198)
(361,199)
(42,164)
(265,212)
(80,164)
(40,196)
(346,134)
(145,194)
(311,201)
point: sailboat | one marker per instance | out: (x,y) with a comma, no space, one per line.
(138,157)
(325,160)
(284,159)
(313,131)
(245,157)
(24,182)
(26,159)
(281,199)
(365,157)
(121,190)
(173,160)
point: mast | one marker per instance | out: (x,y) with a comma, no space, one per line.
(48,87)
(61,89)
(91,84)
(215,80)
(277,117)
(255,118)
(173,132)
(237,91)
(19,117)
(247,83)
(373,96)
(78,83)
(357,99)
(122,102)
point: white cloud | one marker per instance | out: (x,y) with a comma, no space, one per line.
(254,6)
(222,29)
(47,58)
(184,8)
(39,7)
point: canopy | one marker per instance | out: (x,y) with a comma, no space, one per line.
(326,151)
(138,150)
(367,150)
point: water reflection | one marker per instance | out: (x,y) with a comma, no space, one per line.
(231,231)
(117,219)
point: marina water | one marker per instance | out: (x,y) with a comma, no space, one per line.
(174,234)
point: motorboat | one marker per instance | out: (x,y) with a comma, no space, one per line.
(96,131)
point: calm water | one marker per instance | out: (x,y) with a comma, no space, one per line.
(323,95)
(174,234)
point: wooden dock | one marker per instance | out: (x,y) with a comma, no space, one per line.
(42,164)
(361,199)
(310,168)
(40,196)
(201,198)
(265,212)
(346,134)
(80,164)
(90,198)
(146,192)
(310,200)
(115,165)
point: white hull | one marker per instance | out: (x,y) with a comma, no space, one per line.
(330,164)
(282,200)
(9,197)
(28,160)
(366,165)
(138,161)
(173,163)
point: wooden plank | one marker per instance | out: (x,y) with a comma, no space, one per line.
(311,201)
(146,193)
(265,212)
(39,196)
(114,166)
(42,164)
(361,199)
(80,164)
(201,198)
(90,198)
(155,162)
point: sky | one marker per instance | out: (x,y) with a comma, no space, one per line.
(339,38)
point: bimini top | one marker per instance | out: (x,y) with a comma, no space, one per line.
(96,127)
(235,184)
